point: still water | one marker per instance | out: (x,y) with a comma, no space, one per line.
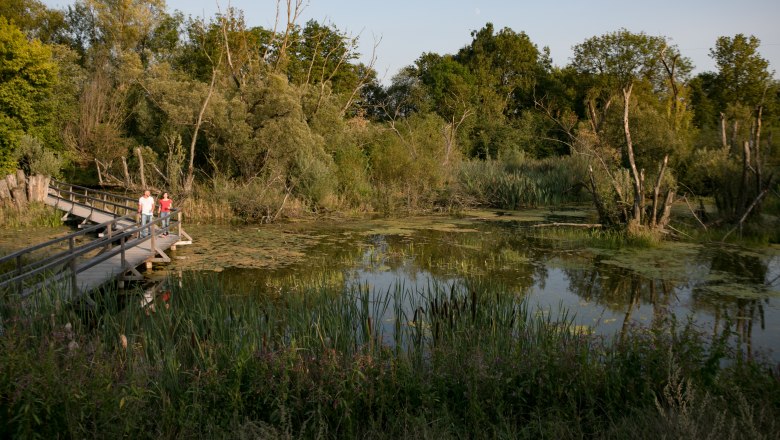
(605,289)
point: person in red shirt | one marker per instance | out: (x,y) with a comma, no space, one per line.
(165,212)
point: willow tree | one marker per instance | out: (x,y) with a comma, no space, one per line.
(616,64)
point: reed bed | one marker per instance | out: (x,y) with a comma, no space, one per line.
(450,360)
(523,183)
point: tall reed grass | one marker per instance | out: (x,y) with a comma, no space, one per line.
(448,360)
(519,182)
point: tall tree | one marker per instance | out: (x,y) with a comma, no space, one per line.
(619,61)
(27,77)
(743,76)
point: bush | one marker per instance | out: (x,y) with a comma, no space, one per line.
(35,159)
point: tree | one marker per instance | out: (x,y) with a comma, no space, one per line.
(35,19)
(617,62)
(742,93)
(27,77)
(125,24)
(743,75)
(451,94)
(506,64)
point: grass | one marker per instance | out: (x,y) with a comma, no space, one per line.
(35,214)
(526,183)
(599,238)
(445,361)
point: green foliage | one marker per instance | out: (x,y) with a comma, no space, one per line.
(506,64)
(622,57)
(743,75)
(292,114)
(35,19)
(467,360)
(518,182)
(27,77)
(408,166)
(34,215)
(34,159)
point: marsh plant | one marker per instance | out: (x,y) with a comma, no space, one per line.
(460,359)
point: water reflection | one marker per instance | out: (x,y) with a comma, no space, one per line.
(608,291)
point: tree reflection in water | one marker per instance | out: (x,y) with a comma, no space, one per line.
(727,287)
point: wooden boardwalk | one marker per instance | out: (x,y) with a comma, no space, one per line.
(86,212)
(67,266)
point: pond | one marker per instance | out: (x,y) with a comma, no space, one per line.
(605,289)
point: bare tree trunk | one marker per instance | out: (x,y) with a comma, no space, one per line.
(670,67)
(666,210)
(723,139)
(603,215)
(743,186)
(630,149)
(734,130)
(100,176)
(191,166)
(127,173)
(657,189)
(141,167)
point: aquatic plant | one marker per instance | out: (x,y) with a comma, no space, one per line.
(457,359)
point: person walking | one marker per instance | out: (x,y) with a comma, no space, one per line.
(146,209)
(164,212)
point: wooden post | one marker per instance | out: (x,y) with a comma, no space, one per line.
(178,217)
(19,273)
(152,246)
(141,166)
(151,232)
(122,246)
(73,281)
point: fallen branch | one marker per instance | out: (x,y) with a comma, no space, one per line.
(690,208)
(678,231)
(747,212)
(575,225)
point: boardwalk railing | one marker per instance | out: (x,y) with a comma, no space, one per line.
(61,267)
(104,205)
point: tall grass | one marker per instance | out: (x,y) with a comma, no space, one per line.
(35,214)
(448,360)
(519,182)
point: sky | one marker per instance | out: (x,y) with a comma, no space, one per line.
(405,29)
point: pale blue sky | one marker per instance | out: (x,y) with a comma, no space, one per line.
(409,28)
